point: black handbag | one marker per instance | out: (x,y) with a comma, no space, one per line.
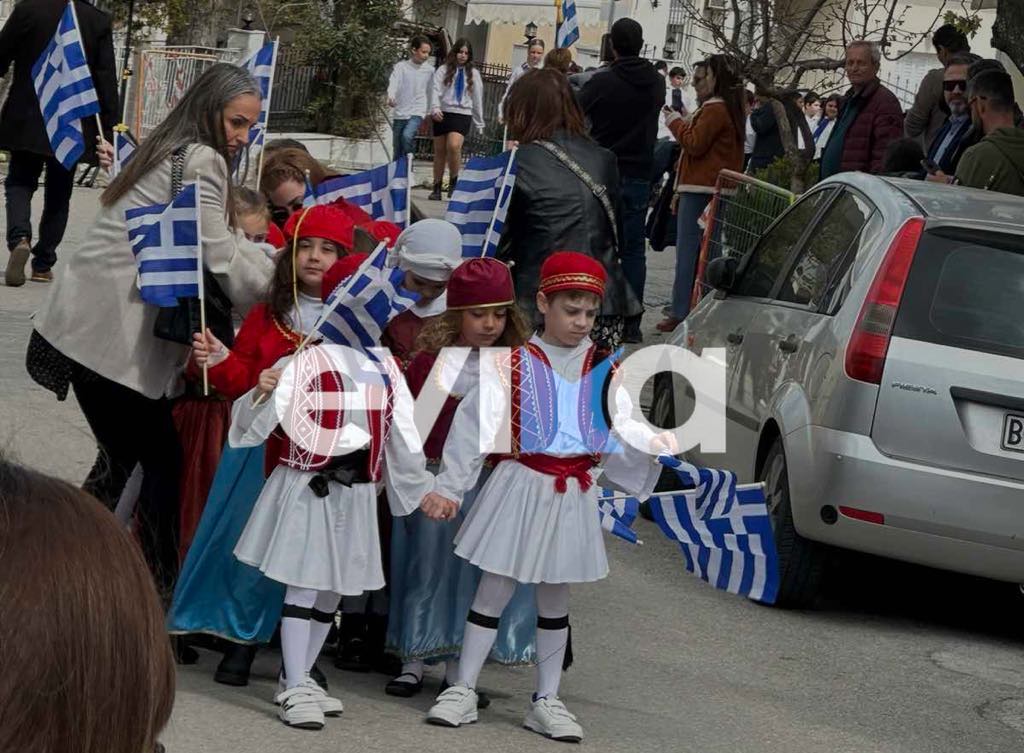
(179,323)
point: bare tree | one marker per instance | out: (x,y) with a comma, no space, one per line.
(777,43)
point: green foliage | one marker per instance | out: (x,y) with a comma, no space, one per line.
(353,44)
(968,24)
(780,173)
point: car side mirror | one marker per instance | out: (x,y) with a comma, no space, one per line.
(721,273)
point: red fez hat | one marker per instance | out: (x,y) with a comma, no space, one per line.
(356,215)
(340,271)
(569,270)
(385,231)
(321,221)
(275,237)
(480,283)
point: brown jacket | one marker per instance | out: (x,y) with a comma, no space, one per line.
(929,111)
(710,144)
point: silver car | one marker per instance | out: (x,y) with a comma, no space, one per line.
(875,383)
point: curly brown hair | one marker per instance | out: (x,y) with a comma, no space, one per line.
(445,330)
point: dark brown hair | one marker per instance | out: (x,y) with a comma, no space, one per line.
(444,331)
(559,59)
(290,164)
(87,666)
(281,292)
(729,87)
(452,64)
(540,103)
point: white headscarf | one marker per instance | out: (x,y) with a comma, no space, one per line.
(431,249)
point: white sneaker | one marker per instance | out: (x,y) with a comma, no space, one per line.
(455,706)
(299,708)
(550,717)
(330,705)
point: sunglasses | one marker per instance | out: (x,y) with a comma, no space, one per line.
(951,86)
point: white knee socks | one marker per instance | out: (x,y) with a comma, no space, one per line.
(320,625)
(305,621)
(552,636)
(492,596)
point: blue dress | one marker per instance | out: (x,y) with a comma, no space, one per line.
(432,590)
(216,593)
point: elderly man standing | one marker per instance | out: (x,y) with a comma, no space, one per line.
(871,117)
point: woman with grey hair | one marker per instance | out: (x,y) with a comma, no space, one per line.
(96,334)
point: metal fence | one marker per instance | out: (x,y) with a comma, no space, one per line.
(293,86)
(740,210)
(491,141)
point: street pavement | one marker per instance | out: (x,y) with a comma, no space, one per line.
(894,658)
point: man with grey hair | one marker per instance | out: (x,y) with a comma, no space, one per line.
(870,120)
(948,145)
(996,163)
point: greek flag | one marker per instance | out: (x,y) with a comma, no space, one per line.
(309,197)
(165,241)
(617,514)
(261,66)
(382,192)
(569,31)
(357,311)
(724,531)
(65,91)
(480,202)
(124,150)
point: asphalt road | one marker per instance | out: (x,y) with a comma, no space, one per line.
(893,658)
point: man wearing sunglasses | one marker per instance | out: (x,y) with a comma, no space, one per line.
(946,148)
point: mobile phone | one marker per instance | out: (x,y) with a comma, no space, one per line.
(929,166)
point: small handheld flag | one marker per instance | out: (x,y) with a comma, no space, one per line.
(165,239)
(65,90)
(724,531)
(480,202)
(569,30)
(124,149)
(617,515)
(261,66)
(382,192)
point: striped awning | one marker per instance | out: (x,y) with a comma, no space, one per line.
(522,12)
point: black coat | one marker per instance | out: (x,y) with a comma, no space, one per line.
(23,38)
(553,210)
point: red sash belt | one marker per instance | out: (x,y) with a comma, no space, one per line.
(575,466)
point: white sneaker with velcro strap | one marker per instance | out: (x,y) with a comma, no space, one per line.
(455,706)
(298,707)
(550,717)
(330,705)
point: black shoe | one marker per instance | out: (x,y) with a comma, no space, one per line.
(235,666)
(404,689)
(452,181)
(435,195)
(482,699)
(352,656)
(183,653)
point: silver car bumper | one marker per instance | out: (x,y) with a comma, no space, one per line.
(942,518)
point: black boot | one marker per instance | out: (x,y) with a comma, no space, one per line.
(631,331)
(452,183)
(234,667)
(352,654)
(435,195)
(183,652)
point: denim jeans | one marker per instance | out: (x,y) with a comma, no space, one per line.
(634,194)
(688,239)
(21,183)
(405,136)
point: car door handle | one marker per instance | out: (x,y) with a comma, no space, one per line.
(734,338)
(789,345)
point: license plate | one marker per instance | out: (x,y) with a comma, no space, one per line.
(1013,432)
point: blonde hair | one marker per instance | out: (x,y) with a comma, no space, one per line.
(446,329)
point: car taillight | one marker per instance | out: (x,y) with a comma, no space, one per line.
(865,354)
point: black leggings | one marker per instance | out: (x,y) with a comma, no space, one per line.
(131,428)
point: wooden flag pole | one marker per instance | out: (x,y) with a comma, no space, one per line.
(408,191)
(202,296)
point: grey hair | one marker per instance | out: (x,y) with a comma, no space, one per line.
(197,119)
(873,48)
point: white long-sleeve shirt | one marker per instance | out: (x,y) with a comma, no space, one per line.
(409,89)
(472,102)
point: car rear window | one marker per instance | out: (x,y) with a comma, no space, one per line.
(966,290)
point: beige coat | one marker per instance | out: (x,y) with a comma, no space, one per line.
(94,314)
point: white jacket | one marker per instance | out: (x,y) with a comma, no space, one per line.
(472,103)
(409,88)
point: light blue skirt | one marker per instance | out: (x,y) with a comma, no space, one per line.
(216,593)
(432,590)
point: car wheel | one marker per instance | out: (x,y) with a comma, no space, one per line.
(801,561)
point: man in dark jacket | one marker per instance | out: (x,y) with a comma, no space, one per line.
(871,117)
(23,38)
(622,103)
(996,163)
(948,145)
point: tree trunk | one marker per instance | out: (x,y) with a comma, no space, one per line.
(203,23)
(797,158)
(1008,31)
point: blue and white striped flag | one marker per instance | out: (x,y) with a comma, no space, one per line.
(569,31)
(382,192)
(309,197)
(357,311)
(261,66)
(165,239)
(725,532)
(617,514)
(480,202)
(65,90)
(124,150)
